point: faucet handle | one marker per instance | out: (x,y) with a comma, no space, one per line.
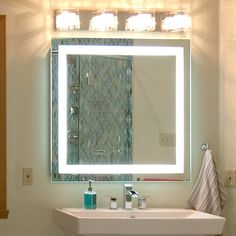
(113,204)
(113,201)
(142,201)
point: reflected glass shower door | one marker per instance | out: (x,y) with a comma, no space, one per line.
(105,110)
(99,111)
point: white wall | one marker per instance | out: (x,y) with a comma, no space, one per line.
(227,101)
(28,119)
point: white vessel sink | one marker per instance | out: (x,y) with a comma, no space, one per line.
(138,221)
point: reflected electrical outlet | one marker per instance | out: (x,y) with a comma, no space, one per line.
(167,139)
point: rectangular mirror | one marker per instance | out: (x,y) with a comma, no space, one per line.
(120,109)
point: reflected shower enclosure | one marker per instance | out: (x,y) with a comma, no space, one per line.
(99,110)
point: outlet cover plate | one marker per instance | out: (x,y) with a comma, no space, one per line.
(230,178)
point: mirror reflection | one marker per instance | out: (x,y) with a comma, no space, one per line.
(119,108)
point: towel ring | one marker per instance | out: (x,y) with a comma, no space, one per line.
(205,146)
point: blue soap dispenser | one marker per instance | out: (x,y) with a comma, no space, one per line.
(90,198)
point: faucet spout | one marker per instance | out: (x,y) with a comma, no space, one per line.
(128,194)
(133,193)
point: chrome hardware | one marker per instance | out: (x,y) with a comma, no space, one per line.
(98,151)
(88,77)
(142,201)
(113,201)
(128,194)
(74,87)
(73,110)
(113,204)
(205,146)
(73,137)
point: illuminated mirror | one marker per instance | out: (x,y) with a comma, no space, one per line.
(120,109)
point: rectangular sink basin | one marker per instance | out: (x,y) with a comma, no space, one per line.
(138,221)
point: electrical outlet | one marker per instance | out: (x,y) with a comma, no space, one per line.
(230,178)
(167,139)
(27,176)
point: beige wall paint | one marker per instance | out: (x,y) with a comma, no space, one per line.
(28,119)
(227,101)
(171,5)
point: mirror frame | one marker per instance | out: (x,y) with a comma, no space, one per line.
(3,155)
(180,167)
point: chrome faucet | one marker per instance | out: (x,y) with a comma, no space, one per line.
(128,194)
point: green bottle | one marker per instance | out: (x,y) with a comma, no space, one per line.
(90,198)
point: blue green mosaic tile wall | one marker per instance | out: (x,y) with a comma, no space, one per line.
(99,109)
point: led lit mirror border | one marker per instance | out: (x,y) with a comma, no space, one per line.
(177,48)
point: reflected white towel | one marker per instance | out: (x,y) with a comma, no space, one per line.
(208,194)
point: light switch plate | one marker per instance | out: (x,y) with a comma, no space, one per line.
(27,176)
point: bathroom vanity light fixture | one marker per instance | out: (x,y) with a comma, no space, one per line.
(104,21)
(140,22)
(67,20)
(113,20)
(176,22)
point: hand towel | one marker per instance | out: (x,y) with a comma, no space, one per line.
(208,194)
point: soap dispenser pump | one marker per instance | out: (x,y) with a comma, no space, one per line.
(90,197)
